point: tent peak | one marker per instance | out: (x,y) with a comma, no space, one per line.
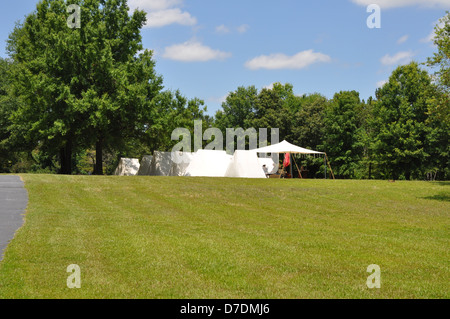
(286,147)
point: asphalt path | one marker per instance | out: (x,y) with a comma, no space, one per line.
(13,202)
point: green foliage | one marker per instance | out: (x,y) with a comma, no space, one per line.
(237,108)
(365,137)
(86,86)
(273,110)
(438,136)
(341,134)
(439,108)
(441,59)
(6,108)
(307,120)
(76,100)
(307,129)
(172,110)
(401,113)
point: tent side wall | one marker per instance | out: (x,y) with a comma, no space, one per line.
(208,163)
(272,168)
(144,169)
(127,167)
(161,163)
(245,164)
(180,162)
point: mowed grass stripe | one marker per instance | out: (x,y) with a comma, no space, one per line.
(169,237)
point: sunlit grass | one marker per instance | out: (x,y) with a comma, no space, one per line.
(170,237)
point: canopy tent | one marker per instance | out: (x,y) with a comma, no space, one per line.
(180,162)
(146,161)
(245,164)
(208,163)
(161,164)
(286,147)
(127,167)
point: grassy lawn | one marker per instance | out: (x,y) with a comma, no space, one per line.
(169,237)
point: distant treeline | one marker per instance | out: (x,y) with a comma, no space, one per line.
(75,100)
(401,134)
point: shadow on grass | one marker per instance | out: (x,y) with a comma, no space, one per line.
(442,183)
(444,197)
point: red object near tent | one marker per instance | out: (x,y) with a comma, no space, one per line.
(287,160)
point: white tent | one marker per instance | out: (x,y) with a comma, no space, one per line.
(144,169)
(161,164)
(127,167)
(272,168)
(180,162)
(245,164)
(286,147)
(208,163)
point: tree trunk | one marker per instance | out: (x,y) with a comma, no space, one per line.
(98,158)
(65,158)
(408,175)
(394,175)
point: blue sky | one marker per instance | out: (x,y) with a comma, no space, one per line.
(207,48)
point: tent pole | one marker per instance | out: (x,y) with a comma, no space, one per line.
(278,163)
(328,162)
(299,173)
(290,160)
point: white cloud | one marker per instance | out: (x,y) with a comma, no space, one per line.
(243,28)
(222,29)
(153,5)
(218,99)
(156,19)
(381,83)
(428,38)
(402,57)
(163,12)
(282,61)
(269,86)
(387,4)
(432,34)
(193,51)
(403,39)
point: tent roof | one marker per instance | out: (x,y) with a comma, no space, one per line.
(285,147)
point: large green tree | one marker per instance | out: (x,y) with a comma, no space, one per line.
(308,129)
(273,109)
(307,121)
(7,106)
(270,108)
(341,133)
(172,110)
(82,86)
(237,108)
(365,137)
(400,122)
(439,106)
(441,59)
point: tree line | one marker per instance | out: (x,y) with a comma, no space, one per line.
(73,101)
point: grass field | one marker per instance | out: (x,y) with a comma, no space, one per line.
(169,237)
